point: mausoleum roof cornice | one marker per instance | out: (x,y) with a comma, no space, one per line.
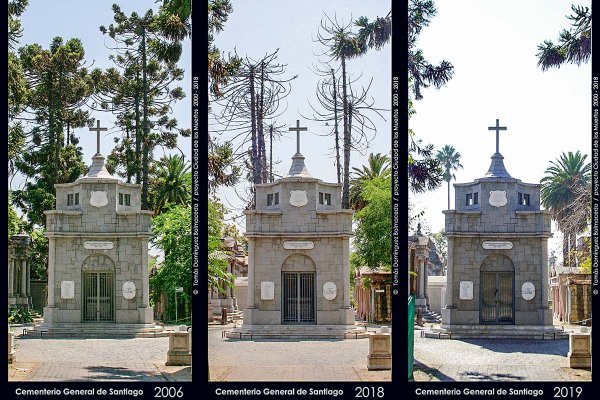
(500,235)
(532,212)
(81,181)
(332,212)
(266,212)
(343,234)
(449,212)
(138,212)
(63,212)
(478,181)
(99,235)
(297,179)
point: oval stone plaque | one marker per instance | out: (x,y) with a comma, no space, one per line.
(129,290)
(528,290)
(329,290)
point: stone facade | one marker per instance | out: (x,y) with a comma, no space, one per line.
(418,260)
(238,266)
(298,226)
(571,297)
(497,253)
(373,295)
(436,290)
(98,227)
(19,271)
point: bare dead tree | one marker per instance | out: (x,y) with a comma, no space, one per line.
(329,110)
(340,43)
(249,105)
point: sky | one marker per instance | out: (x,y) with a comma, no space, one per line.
(255,28)
(43,20)
(493,46)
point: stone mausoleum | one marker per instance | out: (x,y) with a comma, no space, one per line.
(497,283)
(98,255)
(298,258)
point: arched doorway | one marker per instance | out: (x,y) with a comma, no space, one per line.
(497,283)
(98,289)
(298,290)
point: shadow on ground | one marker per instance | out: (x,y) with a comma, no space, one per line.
(435,375)
(118,373)
(478,376)
(431,371)
(178,374)
(554,347)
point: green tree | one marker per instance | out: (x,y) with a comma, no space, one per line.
(143,51)
(449,159)
(17,85)
(423,74)
(378,165)
(174,19)
(60,87)
(14,222)
(15,9)
(373,234)
(574,45)
(221,171)
(375,34)
(219,68)
(424,172)
(341,44)
(39,253)
(218,277)
(171,184)
(172,232)
(561,185)
(441,246)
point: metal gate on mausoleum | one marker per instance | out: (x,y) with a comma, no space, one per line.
(497,292)
(98,290)
(298,297)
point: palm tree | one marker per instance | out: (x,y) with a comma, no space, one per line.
(449,160)
(566,178)
(171,184)
(379,165)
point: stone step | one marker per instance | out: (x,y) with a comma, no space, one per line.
(294,335)
(96,330)
(296,332)
(436,335)
(505,332)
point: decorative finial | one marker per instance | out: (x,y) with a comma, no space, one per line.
(98,130)
(497,128)
(298,129)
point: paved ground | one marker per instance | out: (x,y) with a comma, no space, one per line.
(493,360)
(294,360)
(136,359)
